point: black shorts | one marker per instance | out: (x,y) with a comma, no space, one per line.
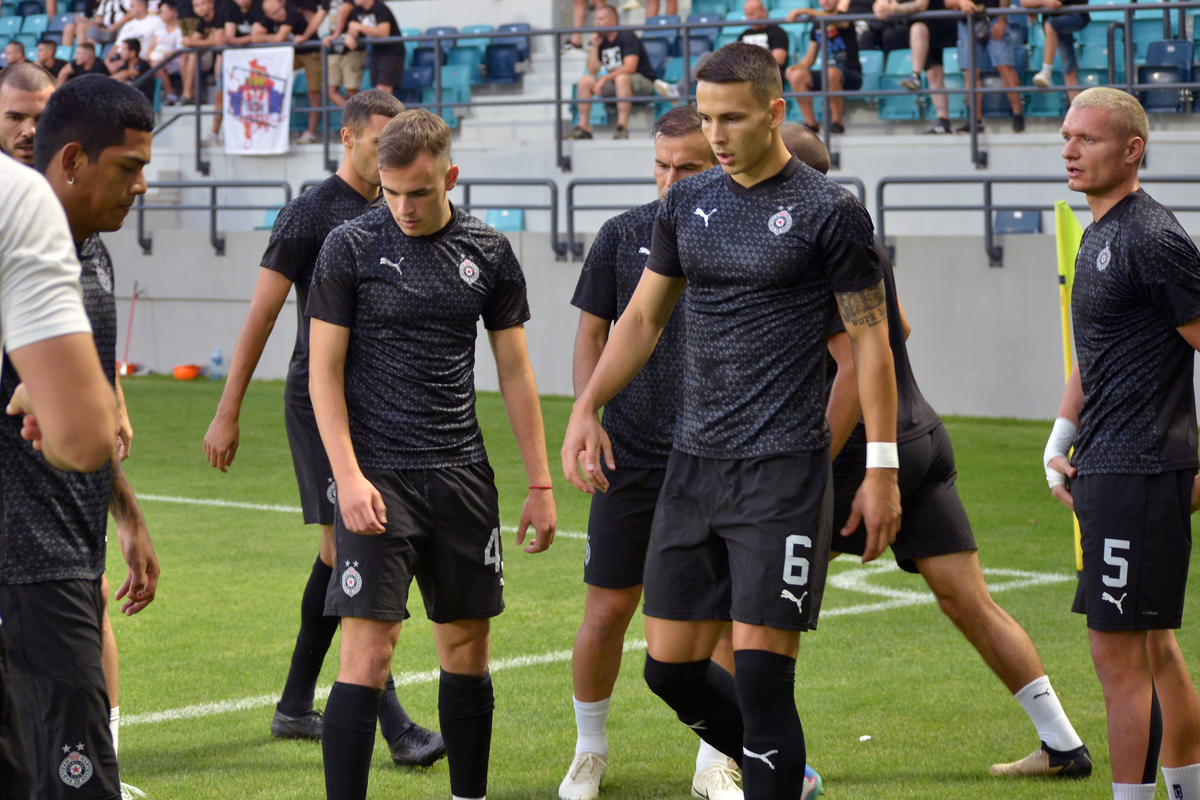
(443,529)
(933,521)
(314,476)
(17,783)
(851,80)
(52,634)
(1136,532)
(743,539)
(619,527)
(387,68)
(943,33)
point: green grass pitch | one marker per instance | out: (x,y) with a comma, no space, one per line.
(222,628)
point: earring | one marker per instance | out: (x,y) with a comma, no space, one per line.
(71,181)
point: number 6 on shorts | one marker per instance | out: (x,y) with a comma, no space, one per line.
(792,562)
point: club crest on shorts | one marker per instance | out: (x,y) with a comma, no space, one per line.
(468,271)
(76,769)
(331,492)
(587,551)
(780,222)
(1103,259)
(351,580)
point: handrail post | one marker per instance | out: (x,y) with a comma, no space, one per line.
(202,166)
(560,249)
(572,251)
(437,75)
(974,103)
(1112,52)
(330,164)
(994,251)
(1129,46)
(687,70)
(218,243)
(146,242)
(687,53)
(826,116)
(563,160)
(880,208)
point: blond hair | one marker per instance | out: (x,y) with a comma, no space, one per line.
(411,133)
(1125,113)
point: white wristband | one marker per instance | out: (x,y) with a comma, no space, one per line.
(882,455)
(1062,436)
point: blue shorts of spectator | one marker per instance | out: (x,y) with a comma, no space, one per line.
(1066,26)
(997,53)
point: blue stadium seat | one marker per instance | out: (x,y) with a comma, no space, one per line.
(899,62)
(59,22)
(720,7)
(598,116)
(671,35)
(27,8)
(35,24)
(1146,31)
(479,44)
(1162,101)
(409,47)
(414,83)
(426,56)
(469,57)
(10,26)
(898,107)
(1052,105)
(955,80)
(447,44)
(501,62)
(1173,53)
(657,50)
(709,33)
(696,45)
(1095,33)
(300,104)
(1018,222)
(994,105)
(65,52)
(521,42)
(872,66)
(269,218)
(511,220)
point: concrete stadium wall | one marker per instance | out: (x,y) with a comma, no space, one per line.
(986,341)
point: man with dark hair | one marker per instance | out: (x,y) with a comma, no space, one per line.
(46,49)
(627,73)
(641,419)
(14,53)
(92,143)
(126,64)
(395,301)
(84,63)
(24,90)
(296,240)
(236,18)
(1129,411)
(742,527)
(372,19)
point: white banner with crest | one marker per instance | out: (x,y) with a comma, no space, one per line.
(258,100)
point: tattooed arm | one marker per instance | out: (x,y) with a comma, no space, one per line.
(142,581)
(877,503)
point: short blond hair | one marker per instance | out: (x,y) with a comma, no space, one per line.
(1125,113)
(411,133)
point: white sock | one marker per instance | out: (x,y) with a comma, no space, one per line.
(709,756)
(114,724)
(1041,704)
(589,727)
(1133,791)
(1183,783)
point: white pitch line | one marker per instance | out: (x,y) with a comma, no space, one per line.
(403,679)
(194,501)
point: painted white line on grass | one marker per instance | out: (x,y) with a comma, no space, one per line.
(194,501)
(403,679)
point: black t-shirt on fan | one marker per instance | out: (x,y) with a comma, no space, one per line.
(627,43)
(377,15)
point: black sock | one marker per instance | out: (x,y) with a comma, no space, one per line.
(1150,773)
(773,746)
(702,695)
(465,705)
(347,739)
(393,720)
(316,633)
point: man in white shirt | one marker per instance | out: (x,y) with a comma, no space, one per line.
(170,40)
(144,26)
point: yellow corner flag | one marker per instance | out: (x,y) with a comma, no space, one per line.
(1067,233)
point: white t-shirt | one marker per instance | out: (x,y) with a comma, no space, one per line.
(40,296)
(166,43)
(143,30)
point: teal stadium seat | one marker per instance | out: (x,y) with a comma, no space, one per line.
(479,44)
(508,220)
(710,7)
(36,24)
(897,107)
(65,52)
(269,218)
(409,47)
(872,65)
(469,57)
(899,63)
(780,8)
(30,41)
(955,80)
(10,26)
(598,116)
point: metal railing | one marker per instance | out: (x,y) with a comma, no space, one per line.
(995,252)
(576,247)
(213,207)
(683,29)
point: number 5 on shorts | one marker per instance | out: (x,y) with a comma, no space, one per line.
(1116,561)
(793,562)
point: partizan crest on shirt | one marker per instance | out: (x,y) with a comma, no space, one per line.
(1103,259)
(468,271)
(780,222)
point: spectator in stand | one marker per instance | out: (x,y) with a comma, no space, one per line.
(843,69)
(142,26)
(344,65)
(14,53)
(886,32)
(24,90)
(1060,32)
(126,64)
(651,7)
(170,40)
(999,51)
(580,19)
(85,63)
(928,39)
(204,33)
(313,12)
(237,18)
(46,49)
(372,19)
(772,37)
(628,73)
(279,23)
(99,22)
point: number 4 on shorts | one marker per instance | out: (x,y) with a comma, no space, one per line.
(491,552)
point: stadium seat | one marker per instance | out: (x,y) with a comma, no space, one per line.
(797,38)
(955,80)
(994,104)
(501,62)
(3,60)
(35,24)
(708,33)
(1018,222)
(414,83)
(10,26)
(469,57)
(479,44)
(898,107)
(449,113)
(366,82)
(780,8)
(521,42)
(696,45)
(59,22)
(1173,53)
(65,52)
(1162,101)
(426,55)
(409,47)
(657,50)
(8,9)
(30,41)
(899,62)
(725,38)
(736,13)
(458,78)
(1145,32)
(1092,77)
(1048,104)
(1096,57)
(1095,33)
(1035,60)
(598,116)
(671,35)
(446,44)
(269,218)
(719,7)
(872,67)
(511,220)
(28,8)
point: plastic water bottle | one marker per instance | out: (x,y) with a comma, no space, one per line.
(215,365)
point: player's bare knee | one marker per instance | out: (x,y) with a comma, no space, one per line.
(463,645)
(607,610)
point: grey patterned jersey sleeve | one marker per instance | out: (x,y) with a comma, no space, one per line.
(596,291)
(847,242)
(331,298)
(508,303)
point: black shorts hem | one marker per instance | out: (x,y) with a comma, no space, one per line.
(1134,625)
(385,615)
(614,585)
(689,615)
(763,622)
(487,613)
